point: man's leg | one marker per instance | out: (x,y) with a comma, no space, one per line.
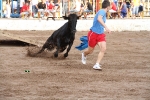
(88,51)
(102,46)
(84,54)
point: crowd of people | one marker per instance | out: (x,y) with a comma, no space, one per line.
(45,8)
(126,8)
(33,8)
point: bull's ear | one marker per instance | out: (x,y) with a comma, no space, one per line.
(65,18)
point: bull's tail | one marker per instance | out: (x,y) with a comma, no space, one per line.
(47,45)
(40,51)
(32,54)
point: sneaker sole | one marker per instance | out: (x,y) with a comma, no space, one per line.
(83,61)
(97,69)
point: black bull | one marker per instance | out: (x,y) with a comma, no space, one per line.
(62,37)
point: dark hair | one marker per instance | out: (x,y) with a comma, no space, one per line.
(105,4)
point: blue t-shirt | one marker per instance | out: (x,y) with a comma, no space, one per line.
(97,26)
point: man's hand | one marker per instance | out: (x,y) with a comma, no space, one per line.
(107,30)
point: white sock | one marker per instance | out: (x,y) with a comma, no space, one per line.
(84,55)
(97,63)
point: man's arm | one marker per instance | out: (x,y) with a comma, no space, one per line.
(100,20)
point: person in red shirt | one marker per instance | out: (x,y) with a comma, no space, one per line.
(51,9)
(113,11)
(113,6)
(25,10)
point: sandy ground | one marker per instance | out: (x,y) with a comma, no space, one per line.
(125,74)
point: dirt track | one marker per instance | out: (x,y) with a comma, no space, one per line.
(125,75)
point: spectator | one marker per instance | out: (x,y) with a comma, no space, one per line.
(22,2)
(82,7)
(77,6)
(14,6)
(116,2)
(41,8)
(123,9)
(30,7)
(25,11)
(34,7)
(57,4)
(51,9)
(65,9)
(113,10)
(135,8)
(128,3)
(88,9)
(141,8)
(8,9)
(120,3)
(47,1)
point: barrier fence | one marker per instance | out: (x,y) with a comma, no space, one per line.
(82,25)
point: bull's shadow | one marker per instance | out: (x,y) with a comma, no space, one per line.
(61,39)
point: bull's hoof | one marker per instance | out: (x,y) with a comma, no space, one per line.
(65,55)
(55,55)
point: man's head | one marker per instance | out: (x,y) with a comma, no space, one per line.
(27,3)
(106,5)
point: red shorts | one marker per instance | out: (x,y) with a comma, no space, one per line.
(94,38)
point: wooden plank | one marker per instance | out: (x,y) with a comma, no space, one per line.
(17,37)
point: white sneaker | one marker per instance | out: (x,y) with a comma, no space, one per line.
(83,59)
(97,67)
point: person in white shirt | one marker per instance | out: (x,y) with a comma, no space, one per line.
(65,7)
(34,7)
(8,9)
(77,6)
(14,5)
(22,2)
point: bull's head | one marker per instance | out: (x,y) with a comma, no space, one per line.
(72,20)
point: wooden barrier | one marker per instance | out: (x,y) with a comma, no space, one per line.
(16,37)
(82,25)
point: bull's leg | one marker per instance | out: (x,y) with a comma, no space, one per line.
(43,48)
(68,49)
(58,47)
